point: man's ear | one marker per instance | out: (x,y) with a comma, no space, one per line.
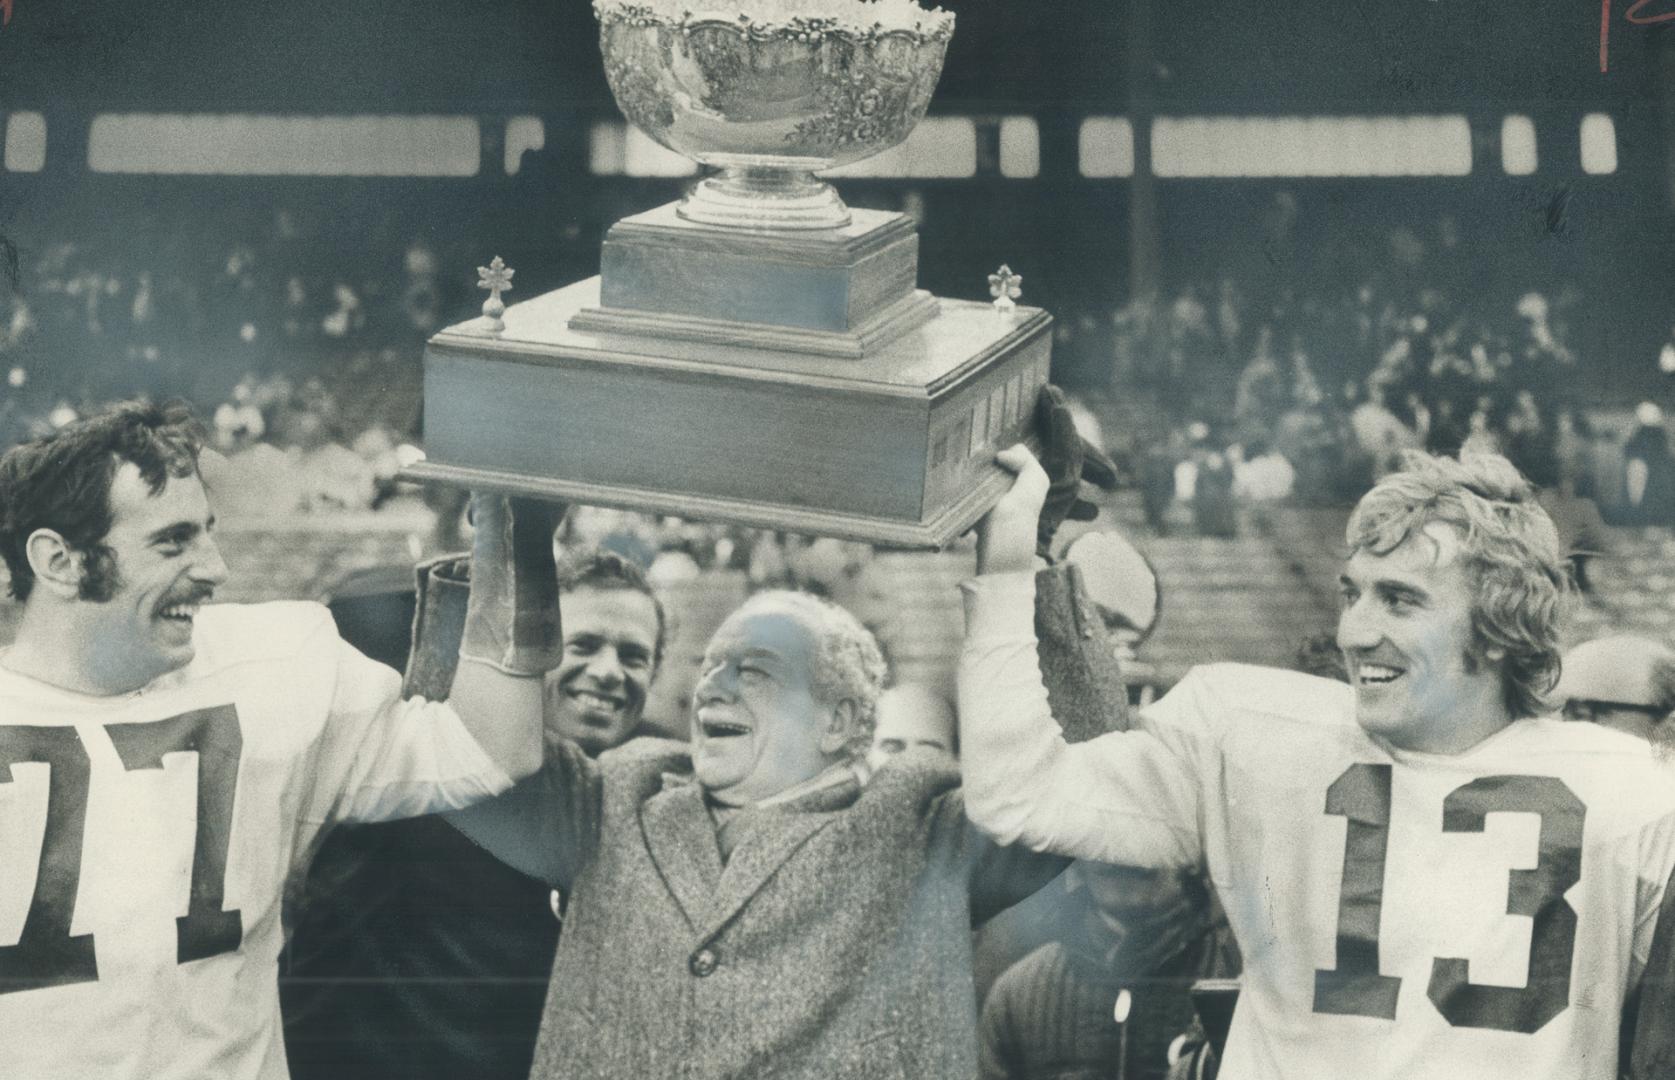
(840,727)
(57,566)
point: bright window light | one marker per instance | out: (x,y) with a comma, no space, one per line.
(1518,156)
(606,148)
(523,134)
(1599,144)
(255,145)
(1235,146)
(1020,148)
(1105,147)
(616,148)
(26,142)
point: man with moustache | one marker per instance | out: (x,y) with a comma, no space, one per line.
(167,765)
(1427,876)
(416,954)
(746,906)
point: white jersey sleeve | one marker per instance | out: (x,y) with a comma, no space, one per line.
(1129,797)
(382,756)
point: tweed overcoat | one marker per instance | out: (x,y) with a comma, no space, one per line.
(834,942)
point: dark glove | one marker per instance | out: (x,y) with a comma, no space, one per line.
(1068,460)
(511,622)
(438,624)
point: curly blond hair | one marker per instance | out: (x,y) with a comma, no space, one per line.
(1510,552)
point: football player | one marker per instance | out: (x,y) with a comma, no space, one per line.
(1428,877)
(167,765)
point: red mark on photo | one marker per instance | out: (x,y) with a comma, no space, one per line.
(5,12)
(1632,15)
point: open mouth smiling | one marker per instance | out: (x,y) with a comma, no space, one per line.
(1376,675)
(180,613)
(722,729)
(592,700)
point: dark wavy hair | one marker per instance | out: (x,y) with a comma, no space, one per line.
(597,568)
(1511,552)
(62,482)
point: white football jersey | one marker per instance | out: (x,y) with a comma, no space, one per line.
(146,840)
(1403,916)
(1419,915)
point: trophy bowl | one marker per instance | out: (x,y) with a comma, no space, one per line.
(771,93)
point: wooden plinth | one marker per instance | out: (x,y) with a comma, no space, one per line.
(894,447)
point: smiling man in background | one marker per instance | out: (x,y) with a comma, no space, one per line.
(1429,878)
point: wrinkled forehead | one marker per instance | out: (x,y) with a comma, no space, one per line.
(766,630)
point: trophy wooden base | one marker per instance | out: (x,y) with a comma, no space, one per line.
(894,447)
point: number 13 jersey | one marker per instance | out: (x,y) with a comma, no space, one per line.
(146,840)
(1409,916)
(1418,915)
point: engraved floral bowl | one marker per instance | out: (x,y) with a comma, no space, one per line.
(773,95)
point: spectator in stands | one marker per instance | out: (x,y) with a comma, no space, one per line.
(1213,509)
(1621,682)
(1648,471)
(1131,936)
(912,716)
(418,955)
(1262,474)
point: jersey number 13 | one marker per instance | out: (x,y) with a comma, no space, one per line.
(1356,988)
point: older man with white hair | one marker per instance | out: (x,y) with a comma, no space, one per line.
(743,906)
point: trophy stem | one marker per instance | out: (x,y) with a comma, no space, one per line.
(757,197)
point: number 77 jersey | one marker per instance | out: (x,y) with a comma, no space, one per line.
(1419,916)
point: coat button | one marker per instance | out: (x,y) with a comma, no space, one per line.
(703,962)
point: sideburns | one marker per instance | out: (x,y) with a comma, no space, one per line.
(99,576)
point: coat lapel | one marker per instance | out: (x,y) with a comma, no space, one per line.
(769,838)
(681,838)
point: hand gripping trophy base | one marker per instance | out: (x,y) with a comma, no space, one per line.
(765,197)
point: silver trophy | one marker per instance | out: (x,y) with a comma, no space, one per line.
(772,95)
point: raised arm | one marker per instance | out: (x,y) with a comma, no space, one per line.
(1084,682)
(511,636)
(1124,797)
